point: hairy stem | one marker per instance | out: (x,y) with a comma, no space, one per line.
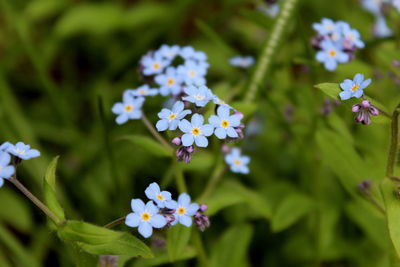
(35,200)
(115,222)
(270,49)
(154,132)
(394,143)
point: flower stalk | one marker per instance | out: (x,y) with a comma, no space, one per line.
(394,143)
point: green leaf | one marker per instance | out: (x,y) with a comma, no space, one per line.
(102,241)
(290,210)
(392,203)
(49,189)
(177,242)
(163,258)
(149,145)
(231,250)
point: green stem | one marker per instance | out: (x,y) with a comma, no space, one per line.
(115,222)
(35,200)
(270,49)
(180,178)
(219,170)
(201,253)
(394,143)
(154,132)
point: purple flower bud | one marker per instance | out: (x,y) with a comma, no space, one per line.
(396,63)
(374,111)
(355,108)
(177,141)
(203,207)
(364,112)
(184,153)
(225,149)
(365,185)
(190,149)
(240,114)
(365,104)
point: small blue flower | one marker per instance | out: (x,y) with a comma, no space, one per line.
(145,217)
(352,36)
(237,162)
(198,95)
(187,52)
(331,54)
(153,64)
(130,108)
(327,26)
(218,101)
(142,91)
(162,198)
(185,210)
(195,131)
(193,73)
(170,118)
(23,151)
(170,82)
(242,62)
(354,88)
(6,170)
(224,123)
(168,52)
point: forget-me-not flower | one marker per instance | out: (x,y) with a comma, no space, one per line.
(23,151)
(171,118)
(162,198)
(6,170)
(224,123)
(145,217)
(354,88)
(352,36)
(198,95)
(331,54)
(218,101)
(142,91)
(192,73)
(185,210)
(195,131)
(170,82)
(237,162)
(130,108)
(153,64)
(168,52)
(327,26)
(242,62)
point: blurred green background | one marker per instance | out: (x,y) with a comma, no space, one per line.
(63,63)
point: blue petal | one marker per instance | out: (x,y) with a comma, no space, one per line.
(187,139)
(192,209)
(166,195)
(122,118)
(185,220)
(185,126)
(7,172)
(152,190)
(358,93)
(118,108)
(137,205)
(358,78)
(34,153)
(345,95)
(223,112)
(201,141)
(162,125)
(184,199)
(214,120)
(132,220)
(330,65)
(207,130)
(173,125)
(182,114)
(151,208)
(158,221)
(1,182)
(197,120)
(164,113)
(234,120)
(347,84)
(171,204)
(230,131)
(5,159)
(178,107)
(245,160)
(365,83)
(220,133)
(145,229)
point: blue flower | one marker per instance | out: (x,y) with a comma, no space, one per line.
(193,73)
(185,210)
(327,26)
(4,146)
(153,64)
(198,95)
(187,52)
(372,6)
(224,123)
(162,198)
(331,54)
(195,132)
(168,52)
(130,108)
(6,170)
(354,88)
(23,151)
(142,91)
(218,101)
(352,36)
(242,62)
(145,217)
(170,82)
(170,118)
(237,162)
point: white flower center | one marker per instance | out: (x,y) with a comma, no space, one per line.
(199,97)
(20,151)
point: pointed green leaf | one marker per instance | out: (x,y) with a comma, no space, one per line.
(178,239)
(149,144)
(102,241)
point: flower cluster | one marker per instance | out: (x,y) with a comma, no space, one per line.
(355,88)
(336,42)
(162,211)
(236,161)
(11,155)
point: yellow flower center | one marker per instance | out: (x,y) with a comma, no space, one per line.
(145,216)
(237,162)
(128,108)
(351,37)
(192,73)
(142,91)
(19,151)
(332,53)
(171,82)
(222,102)
(224,123)
(355,87)
(156,66)
(199,97)
(181,211)
(172,116)
(195,131)
(160,197)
